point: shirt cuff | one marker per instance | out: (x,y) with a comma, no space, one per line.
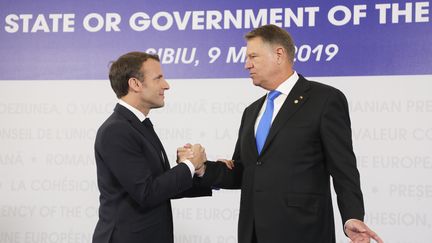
(190,165)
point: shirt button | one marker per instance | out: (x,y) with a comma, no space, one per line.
(258,163)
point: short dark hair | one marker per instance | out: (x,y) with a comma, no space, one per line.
(125,67)
(273,34)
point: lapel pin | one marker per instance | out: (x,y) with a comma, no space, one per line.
(295,101)
(301,97)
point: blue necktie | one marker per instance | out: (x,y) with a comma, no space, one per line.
(265,122)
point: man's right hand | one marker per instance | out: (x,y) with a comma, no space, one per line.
(184,153)
(199,156)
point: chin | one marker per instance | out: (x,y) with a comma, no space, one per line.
(256,82)
(160,105)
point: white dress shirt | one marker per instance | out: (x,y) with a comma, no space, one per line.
(142,117)
(285,88)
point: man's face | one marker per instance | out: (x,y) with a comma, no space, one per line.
(261,62)
(153,86)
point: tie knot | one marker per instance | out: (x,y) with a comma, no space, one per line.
(273,95)
(147,122)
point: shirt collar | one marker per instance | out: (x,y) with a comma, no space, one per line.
(134,110)
(286,86)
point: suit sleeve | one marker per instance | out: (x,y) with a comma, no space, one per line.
(197,190)
(218,175)
(121,149)
(339,156)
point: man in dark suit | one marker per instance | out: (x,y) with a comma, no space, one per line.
(134,175)
(290,142)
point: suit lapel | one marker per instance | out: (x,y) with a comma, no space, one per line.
(165,159)
(157,144)
(250,125)
(295,100)
(136,123)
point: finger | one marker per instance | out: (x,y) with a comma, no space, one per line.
(187,154)
(182,149)
(197,145)
(188,145)
(374,236)
(228,163)
(358,240)
(231,163)
(362,238)
(370,233)
(357,226)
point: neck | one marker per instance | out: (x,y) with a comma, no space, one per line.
(282,77)
(134,103)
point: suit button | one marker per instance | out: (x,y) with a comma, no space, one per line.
(258,163)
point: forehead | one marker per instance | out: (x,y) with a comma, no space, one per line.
(152,67)
(256,44)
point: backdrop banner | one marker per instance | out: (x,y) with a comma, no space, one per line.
(204,39)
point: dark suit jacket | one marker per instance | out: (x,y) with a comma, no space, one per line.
(135,184)
(285,192)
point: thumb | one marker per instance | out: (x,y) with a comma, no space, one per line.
(357,227)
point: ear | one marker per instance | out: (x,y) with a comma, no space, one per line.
(134,84)
(280,54)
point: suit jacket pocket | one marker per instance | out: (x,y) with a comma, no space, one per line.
(146,224)
(305,202)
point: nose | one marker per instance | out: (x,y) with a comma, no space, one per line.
(248,64)
(165,85)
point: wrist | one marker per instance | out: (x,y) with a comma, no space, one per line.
(201,171)
(190,165)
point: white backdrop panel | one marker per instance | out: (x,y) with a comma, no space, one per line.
(48,176)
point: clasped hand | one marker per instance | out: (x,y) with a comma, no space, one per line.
(194,153)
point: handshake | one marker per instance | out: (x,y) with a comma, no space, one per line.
(197,156)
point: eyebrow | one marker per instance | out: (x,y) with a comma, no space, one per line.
(158,77)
